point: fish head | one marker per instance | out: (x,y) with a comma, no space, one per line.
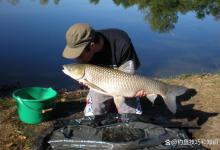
(75,71)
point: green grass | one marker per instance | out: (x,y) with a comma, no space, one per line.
(184,76)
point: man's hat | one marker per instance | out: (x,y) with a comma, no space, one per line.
(78,37)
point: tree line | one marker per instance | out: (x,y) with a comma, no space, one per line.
(161,15)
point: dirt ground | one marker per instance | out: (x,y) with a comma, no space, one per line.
(199,108)
(203,108)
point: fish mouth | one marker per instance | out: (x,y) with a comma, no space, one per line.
(72,72)
(66,71)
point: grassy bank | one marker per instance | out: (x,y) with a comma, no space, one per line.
(201,109)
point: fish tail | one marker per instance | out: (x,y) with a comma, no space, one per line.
(170,97)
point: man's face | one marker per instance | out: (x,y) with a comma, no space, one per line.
(90,51)
(87,54)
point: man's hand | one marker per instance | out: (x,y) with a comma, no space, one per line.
(141,93)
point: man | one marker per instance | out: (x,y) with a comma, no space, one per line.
(110,48)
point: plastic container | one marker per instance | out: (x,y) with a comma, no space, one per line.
(34,104)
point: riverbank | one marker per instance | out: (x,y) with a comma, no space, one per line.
(200,109)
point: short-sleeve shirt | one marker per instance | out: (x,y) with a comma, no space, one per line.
(117,49)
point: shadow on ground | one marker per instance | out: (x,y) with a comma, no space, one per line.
(67,109)
(184,112)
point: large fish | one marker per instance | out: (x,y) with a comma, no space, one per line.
(121,83)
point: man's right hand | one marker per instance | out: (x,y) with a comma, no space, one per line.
(141,93)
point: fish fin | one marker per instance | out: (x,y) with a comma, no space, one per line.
(118,100)
(94,87)
(170,98)
(152,97)
(170,101)
(127,67)
(178,90)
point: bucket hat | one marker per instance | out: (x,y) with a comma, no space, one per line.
(78,36)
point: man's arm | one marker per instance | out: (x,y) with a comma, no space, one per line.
(129,54)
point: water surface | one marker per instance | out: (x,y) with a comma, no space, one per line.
(170,37)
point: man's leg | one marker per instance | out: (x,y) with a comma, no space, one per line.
(130,105)
(97,104)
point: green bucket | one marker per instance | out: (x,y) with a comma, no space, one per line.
(34,104)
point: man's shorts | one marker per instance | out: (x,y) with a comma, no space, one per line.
(98,104)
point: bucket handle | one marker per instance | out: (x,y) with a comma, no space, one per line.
(43,111)
(46,110)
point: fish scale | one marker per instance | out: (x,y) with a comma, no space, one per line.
(116,82)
